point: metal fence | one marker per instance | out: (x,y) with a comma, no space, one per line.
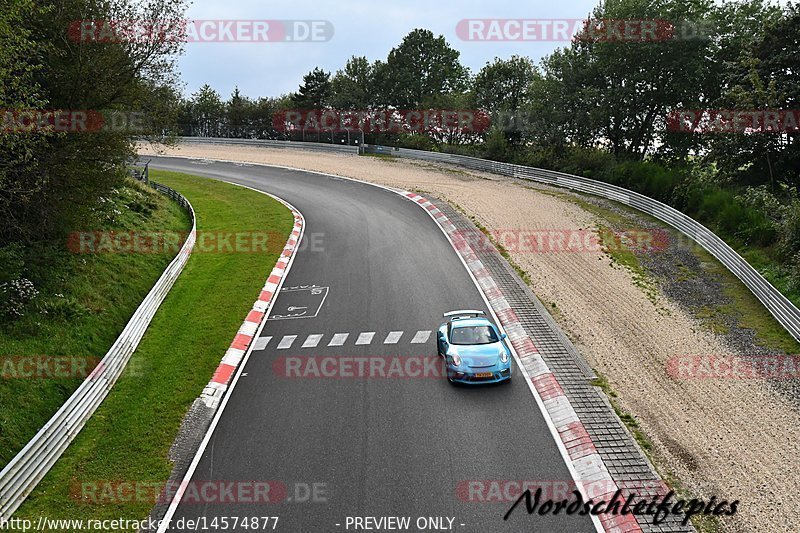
(781,308)
(30,465)
(320,147)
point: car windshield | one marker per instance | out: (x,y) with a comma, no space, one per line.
(473,335)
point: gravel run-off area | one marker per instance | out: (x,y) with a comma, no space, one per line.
(736,439)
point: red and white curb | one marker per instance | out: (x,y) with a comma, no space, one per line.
(591,473)
(216,388)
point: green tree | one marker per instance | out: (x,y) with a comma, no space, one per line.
(208,111)
(315,91)
(352,87)
(239,113)
(19,184)
(421,66)
(504,84)
(503,88)
(617,93)
(560,113)
(57,178)
(764,77)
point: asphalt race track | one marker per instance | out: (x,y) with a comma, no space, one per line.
(374,447)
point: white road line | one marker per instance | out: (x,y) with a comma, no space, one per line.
(365,337)
(261,343)
(286,342)
(338,339)
(393,337)
(312,341)
(421,337)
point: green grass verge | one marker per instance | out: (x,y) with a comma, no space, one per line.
(746,310)
(84,302)
(129,437)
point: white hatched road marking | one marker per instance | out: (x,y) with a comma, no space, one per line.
(261,343)
(339,339)
(421,337)
(365,337)
(286,342)
(393,337)
(312,341)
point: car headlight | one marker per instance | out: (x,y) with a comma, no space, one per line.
(455,359)
(503,356)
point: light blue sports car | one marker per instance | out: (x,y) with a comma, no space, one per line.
(474,349)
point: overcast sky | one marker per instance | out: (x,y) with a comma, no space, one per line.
(361,27)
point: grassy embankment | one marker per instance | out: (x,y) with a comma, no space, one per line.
(84,302)
(129,437)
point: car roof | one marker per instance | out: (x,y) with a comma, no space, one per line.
(471,321)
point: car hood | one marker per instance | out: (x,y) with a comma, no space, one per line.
(477,355)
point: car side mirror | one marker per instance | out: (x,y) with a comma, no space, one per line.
(503,336)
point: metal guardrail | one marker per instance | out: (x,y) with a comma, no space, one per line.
(322,147)
(781,307)
(784,311)
(32,463)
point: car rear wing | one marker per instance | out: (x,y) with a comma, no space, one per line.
(463,313)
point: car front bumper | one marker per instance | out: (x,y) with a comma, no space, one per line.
(470,376)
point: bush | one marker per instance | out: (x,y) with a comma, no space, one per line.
(725,212)
(15,296)
(590,163)
(543,158)
(62,307)
(496,146)
(790,229)
(415,142)
(138,201)
(650,179)
(12,262)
